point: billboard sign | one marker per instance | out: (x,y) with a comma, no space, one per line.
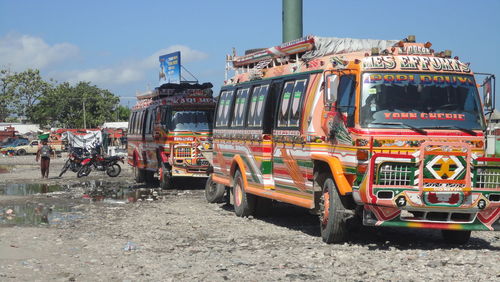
(170,68)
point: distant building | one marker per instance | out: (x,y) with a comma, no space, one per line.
(22,129)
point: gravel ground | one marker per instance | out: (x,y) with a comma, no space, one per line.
(180,237)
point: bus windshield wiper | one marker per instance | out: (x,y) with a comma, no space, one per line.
(466,130)
(416,129)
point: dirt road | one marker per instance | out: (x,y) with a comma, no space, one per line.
(180,237)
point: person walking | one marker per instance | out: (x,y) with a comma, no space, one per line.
(43,154)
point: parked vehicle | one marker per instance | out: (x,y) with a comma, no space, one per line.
(74,161)
(96,161)
(390,132)
(168,130)
(14,142)
(31,147)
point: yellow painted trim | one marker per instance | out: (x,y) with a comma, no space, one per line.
(338,173)
(221,180)
(294,200)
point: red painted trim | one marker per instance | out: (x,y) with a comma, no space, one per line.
(413,133)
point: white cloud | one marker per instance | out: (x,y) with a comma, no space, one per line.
(187,55)
(132,71)
(20,52)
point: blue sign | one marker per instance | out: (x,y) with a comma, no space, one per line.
(170,68)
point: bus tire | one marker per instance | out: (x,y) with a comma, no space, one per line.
(332,224)
(166,179)
(149,177)
(458,237)
(139,174)
(244,204)
(214,192)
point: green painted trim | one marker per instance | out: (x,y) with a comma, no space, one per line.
(293,188)
(266,167)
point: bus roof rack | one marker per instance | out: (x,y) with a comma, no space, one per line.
(311,47)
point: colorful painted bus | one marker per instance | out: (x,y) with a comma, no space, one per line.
(390,132)
(169,128)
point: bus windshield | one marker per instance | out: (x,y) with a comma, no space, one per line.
(191,121)
(420,101)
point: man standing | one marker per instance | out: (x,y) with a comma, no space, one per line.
(44,152)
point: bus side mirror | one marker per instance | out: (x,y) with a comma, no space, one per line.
(489,93)
(332,84)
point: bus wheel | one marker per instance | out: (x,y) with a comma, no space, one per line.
(166,180)
(149,177)
(244,204)
(214,192)
(456,236)
(139,174)
(333,226)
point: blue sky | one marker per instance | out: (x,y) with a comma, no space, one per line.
(116,44)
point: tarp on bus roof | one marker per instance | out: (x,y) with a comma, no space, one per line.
(333,45)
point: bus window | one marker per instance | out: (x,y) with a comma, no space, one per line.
(223,108)
(291,99)
(257,106)
(220,108)
(347,94)
(145,118)
(137,123)
(298,91)
(131,123)
(284,105)
(254,96)
(147,124)
(239,107)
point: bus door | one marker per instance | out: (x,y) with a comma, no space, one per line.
(260,146)
(146,137)
(291,161)
(340,108)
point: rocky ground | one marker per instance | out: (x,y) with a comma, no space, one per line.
(180,237)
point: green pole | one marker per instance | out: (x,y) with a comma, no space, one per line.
(292,20)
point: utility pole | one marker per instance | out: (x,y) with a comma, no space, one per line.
(292,20)
(84,117)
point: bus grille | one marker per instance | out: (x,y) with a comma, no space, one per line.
(395,174)
(488,177)
(183,152)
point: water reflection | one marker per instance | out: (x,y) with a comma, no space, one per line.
(6,168)
(37,214)
(28,189)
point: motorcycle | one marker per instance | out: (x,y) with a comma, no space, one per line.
(74,161)
(98,162)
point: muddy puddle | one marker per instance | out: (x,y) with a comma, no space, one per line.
(111,193)
(31,213)
(28,189)
(59,205)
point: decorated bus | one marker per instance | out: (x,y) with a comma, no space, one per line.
(387,131)
(169,129)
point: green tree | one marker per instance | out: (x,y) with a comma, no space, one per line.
(79,106)
(29,86)
(7,85)
(123,113)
